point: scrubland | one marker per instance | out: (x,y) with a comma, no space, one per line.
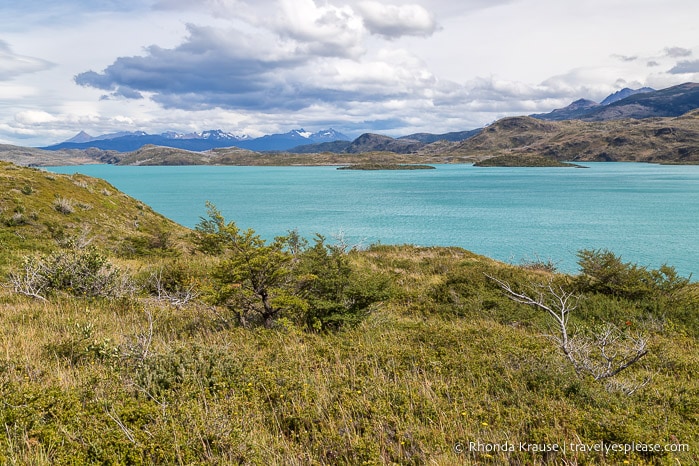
(127,339)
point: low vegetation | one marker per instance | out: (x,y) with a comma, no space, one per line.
(214,346)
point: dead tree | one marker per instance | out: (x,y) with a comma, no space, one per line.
(602,354)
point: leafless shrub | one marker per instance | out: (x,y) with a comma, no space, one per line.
(63,205)
(544,265)
(178,297)
(81,184)
(138,347)
(606,352)
(17,218)
(30,279)
(78,272)
(79,241)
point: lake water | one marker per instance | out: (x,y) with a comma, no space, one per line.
(649,214)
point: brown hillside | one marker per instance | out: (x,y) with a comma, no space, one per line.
(660,140)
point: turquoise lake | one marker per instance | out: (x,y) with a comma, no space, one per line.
(648,214)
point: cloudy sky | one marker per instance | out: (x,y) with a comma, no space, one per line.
(266,66)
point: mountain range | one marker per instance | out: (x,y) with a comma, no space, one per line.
(628,103)
(206,140)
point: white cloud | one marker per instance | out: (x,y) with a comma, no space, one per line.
(686,67)
(677,52)
(15,92)
(261,66)
(34,117)
(323,30)
(394,21)
(12,64)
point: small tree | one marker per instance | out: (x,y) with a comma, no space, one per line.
(315,286)
(336,293)
(254,277)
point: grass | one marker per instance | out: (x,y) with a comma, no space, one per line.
(446,360)
(40,209)
(399,388)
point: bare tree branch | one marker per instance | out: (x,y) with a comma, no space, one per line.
(30,280)
(602,355)
(177,298)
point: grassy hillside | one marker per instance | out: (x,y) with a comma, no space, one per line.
(40,210)
(164,374)
(328,158)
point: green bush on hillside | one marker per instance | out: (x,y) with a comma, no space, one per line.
(335,294)
(602,271)
(262,282)
(624,292)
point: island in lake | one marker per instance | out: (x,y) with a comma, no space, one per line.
(523,161)
(386,166)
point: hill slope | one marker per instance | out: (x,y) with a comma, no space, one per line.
(29,156)
(658,140)
(40,209)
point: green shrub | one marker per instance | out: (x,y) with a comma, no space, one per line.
(604,272)
(263,282)
(81,345)
(147,244)
(335,293)
(16,220)
(84,273)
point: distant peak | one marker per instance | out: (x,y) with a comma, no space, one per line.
(582,103)
(624,93)
(82,136)
(301,132)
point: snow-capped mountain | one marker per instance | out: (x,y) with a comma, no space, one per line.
(199,141)
(286,141)
(215,134)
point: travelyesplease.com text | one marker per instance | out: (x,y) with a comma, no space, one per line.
(572,447)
